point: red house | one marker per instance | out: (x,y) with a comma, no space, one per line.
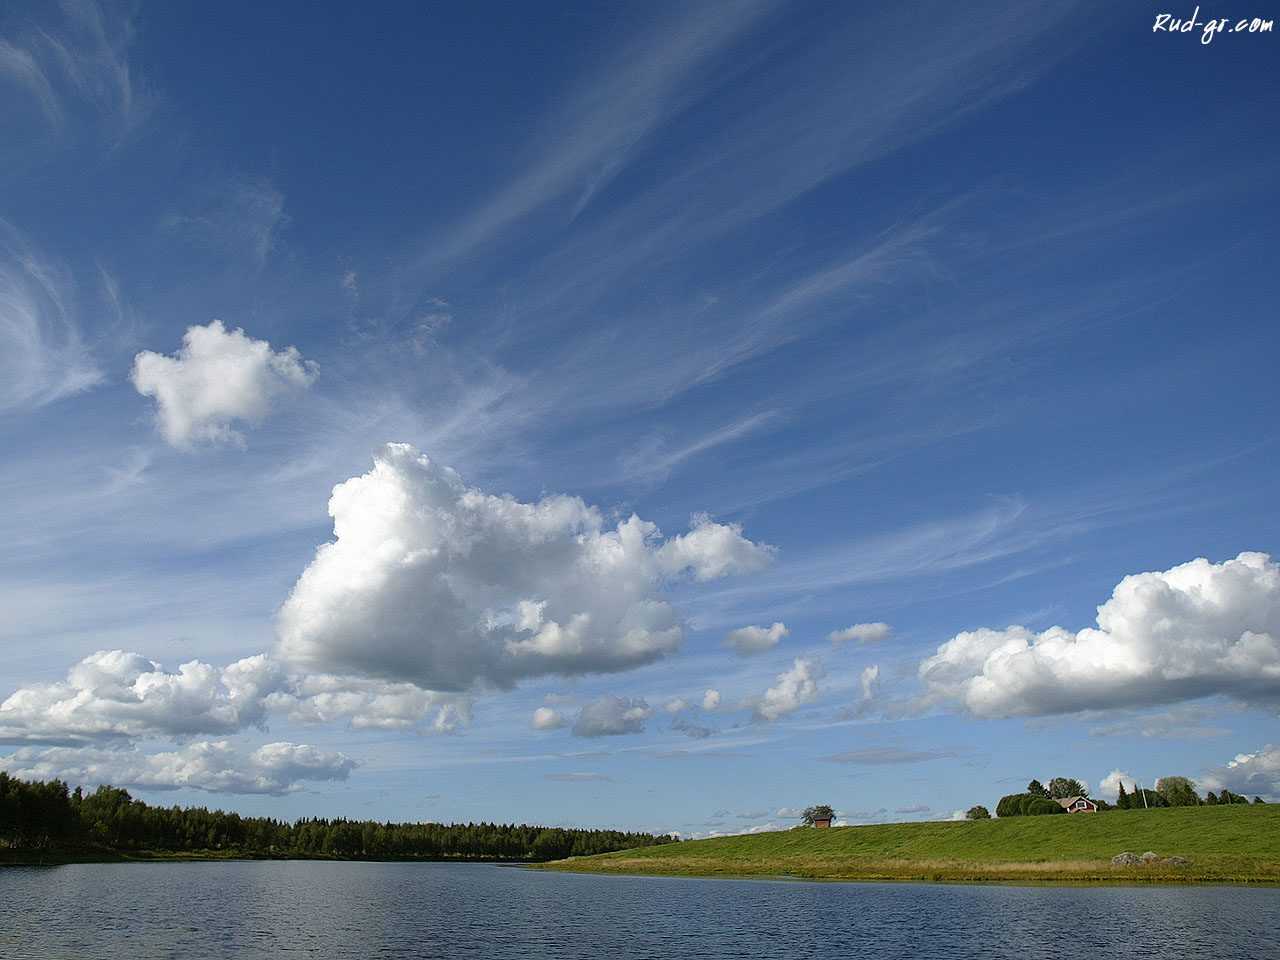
(822,822)
(1078,805)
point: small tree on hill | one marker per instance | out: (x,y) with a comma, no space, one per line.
(1036,787)
(1062,787)
(821,811)
(978,813)
(1178,792)
(1122,799)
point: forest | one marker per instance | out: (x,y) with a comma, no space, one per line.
(48,819)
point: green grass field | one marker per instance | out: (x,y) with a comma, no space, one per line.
(1231,844)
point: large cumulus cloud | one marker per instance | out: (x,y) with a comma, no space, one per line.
(216,378)
(113,695)
(435,583)
(1198,630)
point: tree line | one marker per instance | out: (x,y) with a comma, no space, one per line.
(1039,799)
(39,817)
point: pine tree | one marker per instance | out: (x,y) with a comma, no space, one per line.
(1122,801)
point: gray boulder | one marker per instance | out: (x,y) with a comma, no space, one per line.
(1150,856)
(1126,859)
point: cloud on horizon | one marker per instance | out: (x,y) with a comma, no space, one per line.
(211,766)
(1198,630)
(1249,774)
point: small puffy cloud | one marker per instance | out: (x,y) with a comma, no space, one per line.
(755,815)
(435,583)
(870,681)
(863,633)
(548,718)
(215,767)
(712,550)
(1249,774)
(795,688)
(676,706)
(711,700)
(788,813)
(611,716)
(1198,630)
(112,694)
(750,641)
(913,808)
(214,379)
(690,729)
(1110,785)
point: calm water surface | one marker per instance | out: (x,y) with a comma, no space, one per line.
(372,910)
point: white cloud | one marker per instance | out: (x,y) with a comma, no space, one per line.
(546,718)
(42,357)
(112,694)
(796,688)
(870,681)
(216,767)
(610,716)
(432,582)
(1249,774)
(1109,788)
(750,641)
(676,705)
(216,378)
(370,704)
(863,633)
(711,700)
(788,813)
(1198,630)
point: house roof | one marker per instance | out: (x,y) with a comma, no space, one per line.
(1069,802)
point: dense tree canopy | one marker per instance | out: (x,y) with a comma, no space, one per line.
(36,817)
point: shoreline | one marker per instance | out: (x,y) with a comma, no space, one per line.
(1016,874)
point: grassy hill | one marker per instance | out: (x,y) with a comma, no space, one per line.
(1238,843)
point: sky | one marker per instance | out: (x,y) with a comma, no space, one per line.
(649,416)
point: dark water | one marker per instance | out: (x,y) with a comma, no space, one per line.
(372,910)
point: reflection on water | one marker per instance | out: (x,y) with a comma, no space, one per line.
(361,911)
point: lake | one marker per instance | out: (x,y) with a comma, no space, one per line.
(250,909)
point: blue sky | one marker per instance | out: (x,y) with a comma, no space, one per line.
(640,415)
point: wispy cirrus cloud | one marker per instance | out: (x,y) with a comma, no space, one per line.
(43,356)
(73,62)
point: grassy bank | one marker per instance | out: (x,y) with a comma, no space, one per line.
(1232,844)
